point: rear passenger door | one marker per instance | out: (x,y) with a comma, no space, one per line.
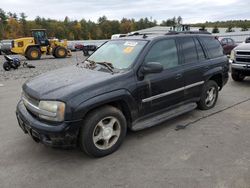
(194,64)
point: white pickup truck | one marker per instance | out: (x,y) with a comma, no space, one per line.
(240,62)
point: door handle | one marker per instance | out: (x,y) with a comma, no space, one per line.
(206,67)
(178,76)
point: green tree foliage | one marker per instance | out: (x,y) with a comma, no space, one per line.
(171,21)
(230,29)
(226,24)
(215,29)
(15,26)
(12,26)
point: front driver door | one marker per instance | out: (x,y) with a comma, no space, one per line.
(166,88)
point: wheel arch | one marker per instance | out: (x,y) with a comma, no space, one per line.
(215,74)
(218,79)
(123,102)
(30,46)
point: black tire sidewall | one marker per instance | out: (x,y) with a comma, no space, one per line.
(28,53)
(6,66)
(202,105)
(56,52)
(237,76)
(85,138)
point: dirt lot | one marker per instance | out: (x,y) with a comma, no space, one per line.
(213,151)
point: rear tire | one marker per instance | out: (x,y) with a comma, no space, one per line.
(6,66)
(209,95)
(60,52)
(33,53)
(237,76)
(103,131)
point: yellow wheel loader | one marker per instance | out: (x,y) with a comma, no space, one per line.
(33,47)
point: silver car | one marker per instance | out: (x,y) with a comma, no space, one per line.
(5,46)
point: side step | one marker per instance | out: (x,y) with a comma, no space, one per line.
(159,118)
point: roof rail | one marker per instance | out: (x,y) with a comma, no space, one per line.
(187,32)
(145,34)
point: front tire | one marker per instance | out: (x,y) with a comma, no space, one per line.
(103,131)
(237,76)
(33,53)
(209,95)
(60,52)
(6,66)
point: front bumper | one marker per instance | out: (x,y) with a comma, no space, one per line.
(59,135)
(241,66)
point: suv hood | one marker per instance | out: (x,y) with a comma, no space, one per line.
(243,46)
(63,82)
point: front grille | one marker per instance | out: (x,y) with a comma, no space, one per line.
(246,60)
(243,53)
(32,101)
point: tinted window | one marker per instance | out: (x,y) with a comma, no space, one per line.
(164,52)
(230,41)
(213,46)
(199,49)
(224,41)
(189,50)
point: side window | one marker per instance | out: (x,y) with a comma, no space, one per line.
(164,52)
(199,49)
(213,46)
(189,50)
(230,41)
(224,41)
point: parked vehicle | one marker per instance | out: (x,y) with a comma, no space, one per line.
(87,49)
(133,82)
(5,47)
(247,40)
(240,62)
(71,46)
(117,36)
(228,44)
(39,44)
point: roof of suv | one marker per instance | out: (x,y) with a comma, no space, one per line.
(152,36)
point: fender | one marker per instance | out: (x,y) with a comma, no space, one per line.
(106,98)
(28,46)
(211,72)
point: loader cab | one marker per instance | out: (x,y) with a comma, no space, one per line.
(40,37)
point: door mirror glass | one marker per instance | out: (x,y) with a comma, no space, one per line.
(152,67)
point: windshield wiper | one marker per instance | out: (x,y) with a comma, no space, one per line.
(109,66)
(92,64)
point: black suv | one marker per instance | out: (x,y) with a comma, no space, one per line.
(133,82)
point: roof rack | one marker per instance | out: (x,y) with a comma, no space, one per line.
(187,32)
(145,34)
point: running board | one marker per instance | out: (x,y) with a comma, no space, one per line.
(157,119)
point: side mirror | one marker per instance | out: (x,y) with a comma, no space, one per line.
(151,67)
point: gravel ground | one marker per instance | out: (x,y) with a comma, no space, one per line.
(47,63)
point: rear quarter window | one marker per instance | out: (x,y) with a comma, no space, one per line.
(213,46)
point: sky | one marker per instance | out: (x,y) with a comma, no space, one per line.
(192,11)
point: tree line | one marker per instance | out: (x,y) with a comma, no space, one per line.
(14,26)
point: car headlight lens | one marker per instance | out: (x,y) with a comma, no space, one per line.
(232,55)
(55,110)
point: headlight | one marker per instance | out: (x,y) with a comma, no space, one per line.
(52,110)
(232,55)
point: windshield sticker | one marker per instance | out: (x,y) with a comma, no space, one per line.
(128,50)
(130,43)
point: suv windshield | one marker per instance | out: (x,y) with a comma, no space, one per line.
(120,53)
